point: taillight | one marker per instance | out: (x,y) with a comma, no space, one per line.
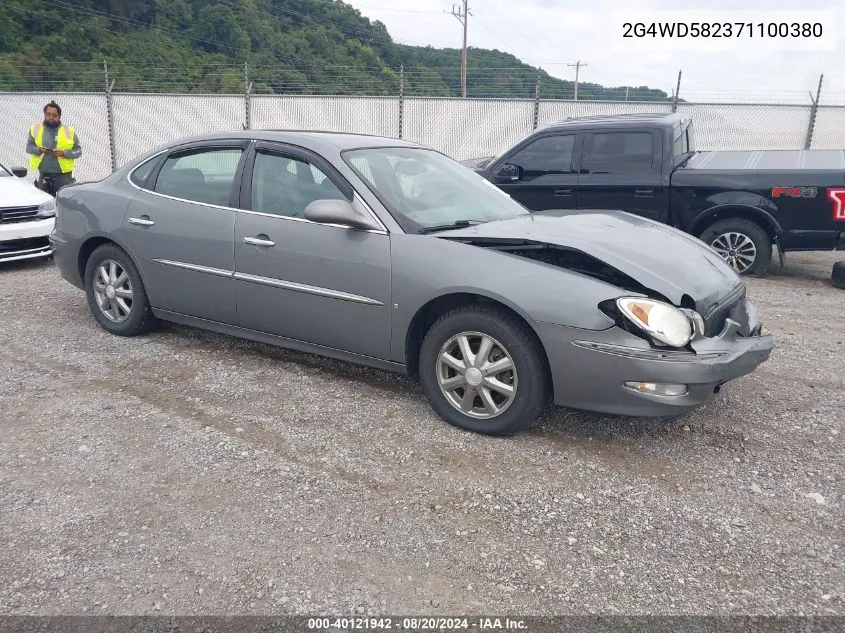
(837,197)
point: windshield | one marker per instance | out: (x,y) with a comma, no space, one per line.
(423,188)
(4,173)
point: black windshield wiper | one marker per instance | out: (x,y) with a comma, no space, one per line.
(445,227)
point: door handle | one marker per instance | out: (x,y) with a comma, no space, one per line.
(141,221)
(257,241)
(644,193)
(563,192)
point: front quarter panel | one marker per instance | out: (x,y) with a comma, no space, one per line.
(426,267)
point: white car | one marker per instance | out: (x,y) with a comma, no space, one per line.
(27,216)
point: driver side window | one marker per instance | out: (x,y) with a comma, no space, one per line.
(284,186)
(546,156)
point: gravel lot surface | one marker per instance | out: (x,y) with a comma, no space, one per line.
(191,473)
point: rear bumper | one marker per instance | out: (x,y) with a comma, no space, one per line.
(26,240)
(590,369)
(65,255)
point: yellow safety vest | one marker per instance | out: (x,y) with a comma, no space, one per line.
(64,141)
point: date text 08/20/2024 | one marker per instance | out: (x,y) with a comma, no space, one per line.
(415,624)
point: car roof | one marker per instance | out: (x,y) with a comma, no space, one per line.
(318,139)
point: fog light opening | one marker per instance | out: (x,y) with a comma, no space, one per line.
(657,388)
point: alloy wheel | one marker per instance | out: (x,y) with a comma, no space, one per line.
(476,375)
(113,290)
(736,249)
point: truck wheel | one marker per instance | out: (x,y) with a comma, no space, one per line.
(743,244)
(837,275)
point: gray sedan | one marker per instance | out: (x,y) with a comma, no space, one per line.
(387,253)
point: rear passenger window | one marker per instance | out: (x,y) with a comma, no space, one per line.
(621,152)
(142,172)
(205,175)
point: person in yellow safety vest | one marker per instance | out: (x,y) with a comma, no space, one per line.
(54,149)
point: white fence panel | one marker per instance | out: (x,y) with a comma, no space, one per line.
(467,128)
(361,115)
(461,128)
(829,131)
(748,126)
(143,121)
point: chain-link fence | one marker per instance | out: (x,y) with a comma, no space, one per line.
(461,128)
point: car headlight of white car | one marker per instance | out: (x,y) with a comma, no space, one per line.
(47,209)
(664,322)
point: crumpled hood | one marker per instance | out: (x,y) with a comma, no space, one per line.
(659,257)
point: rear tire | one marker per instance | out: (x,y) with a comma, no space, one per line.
(116,294)
(837,275)
(502,388)
(743,244)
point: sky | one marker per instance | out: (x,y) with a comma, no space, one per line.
(554,33)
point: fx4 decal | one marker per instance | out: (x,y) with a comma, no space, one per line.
(795,192)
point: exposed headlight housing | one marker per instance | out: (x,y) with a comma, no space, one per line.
(662,321)
(47,209)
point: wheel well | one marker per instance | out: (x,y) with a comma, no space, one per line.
(85,252)
(431,311)
(726,213)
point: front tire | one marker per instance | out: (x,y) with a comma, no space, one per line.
(116,294)
(483,370)
(743,244)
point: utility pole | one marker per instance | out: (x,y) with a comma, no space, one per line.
(461,13)
(577,65)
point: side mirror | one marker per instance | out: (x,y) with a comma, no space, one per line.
(333,211)
(20,172)
(508,172)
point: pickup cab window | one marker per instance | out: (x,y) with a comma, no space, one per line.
(614,152)
(547,155)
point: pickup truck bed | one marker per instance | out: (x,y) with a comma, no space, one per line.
(832,160)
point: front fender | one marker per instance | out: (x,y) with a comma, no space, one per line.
(425,268)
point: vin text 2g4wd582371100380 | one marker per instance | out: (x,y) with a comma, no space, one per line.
(741,203)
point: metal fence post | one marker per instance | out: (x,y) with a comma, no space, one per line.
(814,109)
(247,102)
(536,103)
(677,90)
(401,97)
(110,116)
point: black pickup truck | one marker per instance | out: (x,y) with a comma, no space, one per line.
(741,203)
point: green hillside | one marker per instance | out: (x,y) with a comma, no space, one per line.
(280,46)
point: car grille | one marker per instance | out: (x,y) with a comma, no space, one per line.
(10,215)
(734,307)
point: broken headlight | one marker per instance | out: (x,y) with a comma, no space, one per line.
(46,209)
(664,322)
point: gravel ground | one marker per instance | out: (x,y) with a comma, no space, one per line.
(191,473)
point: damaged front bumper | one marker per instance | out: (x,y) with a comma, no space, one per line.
(612,371)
